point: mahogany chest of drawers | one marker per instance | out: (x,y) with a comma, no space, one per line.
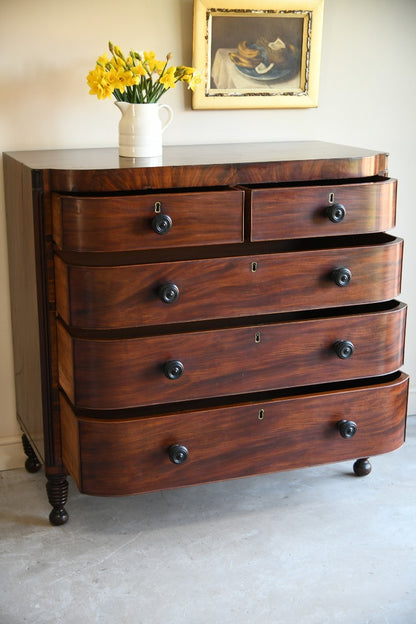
(228,311)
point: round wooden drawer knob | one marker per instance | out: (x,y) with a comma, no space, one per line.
(168,293)
(344,349)
(347,428)
(341,277)
(173,369)
(335,213)
(178,454)
(161,223)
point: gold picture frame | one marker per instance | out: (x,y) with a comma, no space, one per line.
(257,53)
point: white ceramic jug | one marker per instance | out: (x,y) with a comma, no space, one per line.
(141,128)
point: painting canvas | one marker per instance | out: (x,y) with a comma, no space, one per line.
(258,55)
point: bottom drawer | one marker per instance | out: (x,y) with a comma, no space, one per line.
(129,456)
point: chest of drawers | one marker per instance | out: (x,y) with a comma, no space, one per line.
(228,311)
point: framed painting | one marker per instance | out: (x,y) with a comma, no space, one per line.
(257,53)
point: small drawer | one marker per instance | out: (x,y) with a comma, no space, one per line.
(328,210)
(129,372)
(196,290)
(148,221)
(128,456)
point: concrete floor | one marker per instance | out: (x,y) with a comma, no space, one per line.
(314,546)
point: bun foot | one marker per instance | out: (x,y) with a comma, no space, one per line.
(32,464)
(362,467)
(57,517)
(57,489)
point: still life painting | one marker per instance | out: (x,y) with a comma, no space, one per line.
(257,54)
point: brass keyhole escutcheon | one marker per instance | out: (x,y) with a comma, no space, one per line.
(331,198)
(254,266)
(257,337)
(260,415)
(158,207)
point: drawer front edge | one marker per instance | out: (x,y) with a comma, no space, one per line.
(124,373)
(119,457)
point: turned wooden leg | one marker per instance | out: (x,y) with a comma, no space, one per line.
(362,467)
(57,489)
(32,463)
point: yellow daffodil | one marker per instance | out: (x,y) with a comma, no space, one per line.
(138,70)
(187,71)
(149,56)
(168,78)
(119,79)
(103,60)
(97,81)
(159,66)
(192,80)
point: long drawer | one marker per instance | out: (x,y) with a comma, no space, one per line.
(327,210)
(128,372)
(163,293)
(147,221)
(129,456)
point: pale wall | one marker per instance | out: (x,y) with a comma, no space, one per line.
(367,99)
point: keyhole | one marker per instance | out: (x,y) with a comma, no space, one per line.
(257,337)
(158,207)
(253,267)
(261,414)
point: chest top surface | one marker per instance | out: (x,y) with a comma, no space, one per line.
(102,170)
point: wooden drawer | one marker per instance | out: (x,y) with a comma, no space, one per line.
(125,223)
(138,295)
(129,456)
(301,211)
(128,372)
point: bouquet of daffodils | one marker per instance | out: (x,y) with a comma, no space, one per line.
(138,78)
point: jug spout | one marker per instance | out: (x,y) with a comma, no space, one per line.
(122,106)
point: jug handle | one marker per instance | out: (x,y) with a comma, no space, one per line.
(169,118)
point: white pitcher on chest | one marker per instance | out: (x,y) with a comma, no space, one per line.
(141,128)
